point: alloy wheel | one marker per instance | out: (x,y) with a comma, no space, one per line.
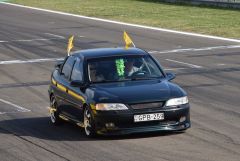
(87,122)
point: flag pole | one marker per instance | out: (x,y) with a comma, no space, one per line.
(134,44)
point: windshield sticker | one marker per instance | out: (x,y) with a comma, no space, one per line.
(120,67)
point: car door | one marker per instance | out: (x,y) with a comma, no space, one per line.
(63,85)
(75,95)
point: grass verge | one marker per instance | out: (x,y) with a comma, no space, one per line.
(203,20)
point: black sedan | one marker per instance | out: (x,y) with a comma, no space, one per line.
(116,91)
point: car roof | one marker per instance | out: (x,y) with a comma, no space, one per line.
(108,52)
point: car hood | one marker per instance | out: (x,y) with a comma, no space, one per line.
(136,91)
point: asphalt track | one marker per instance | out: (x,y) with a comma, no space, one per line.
(31,41)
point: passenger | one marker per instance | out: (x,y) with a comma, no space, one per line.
(95,76)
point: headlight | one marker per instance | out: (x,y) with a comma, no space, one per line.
(110,106)
(177,101)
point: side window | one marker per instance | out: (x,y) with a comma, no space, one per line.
(67,67)
(77,72)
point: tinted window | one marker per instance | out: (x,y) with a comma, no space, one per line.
(77,71)
(67,67)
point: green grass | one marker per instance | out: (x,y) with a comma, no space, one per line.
(204,20)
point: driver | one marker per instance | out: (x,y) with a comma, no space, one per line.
(130,68)
(95,76)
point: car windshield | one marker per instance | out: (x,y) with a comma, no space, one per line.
(123,68)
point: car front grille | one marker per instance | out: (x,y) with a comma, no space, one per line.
(147,105)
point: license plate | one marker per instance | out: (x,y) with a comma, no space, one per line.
(149,117)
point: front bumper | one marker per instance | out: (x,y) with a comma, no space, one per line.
(123,121)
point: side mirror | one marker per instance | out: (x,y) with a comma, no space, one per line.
(80,84)
(77,83)
(170,76)
(58,64)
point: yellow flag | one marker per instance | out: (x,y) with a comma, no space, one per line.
(70,44)
(127,39)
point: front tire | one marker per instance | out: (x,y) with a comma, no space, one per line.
(54,113)
(89,123)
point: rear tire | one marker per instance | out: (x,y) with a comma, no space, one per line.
(89,127)
(54,113)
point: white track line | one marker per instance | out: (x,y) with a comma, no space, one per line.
(1,113)
(33,40)
(58,59)
(188,64)
(54,35)
(174,69)
(221,64)
(38,39)
(151,52)
(52,59)
(30,61)
(19,108)
(30,40)
(195,49)
(123,23)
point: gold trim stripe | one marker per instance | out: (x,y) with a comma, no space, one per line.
(61,87)
(70,92)
(93,107)
(64,118)
(76,95)
(54,82)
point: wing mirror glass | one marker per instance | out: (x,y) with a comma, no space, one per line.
(58,64)
(170,76)
(76,83)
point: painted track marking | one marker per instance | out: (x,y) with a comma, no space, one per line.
(54,35)
(19,108)
(30,40)
(59,59)
(188,64)
(174,69)
(151,52)
(31,61)
(37,39)
(195,49)
(125,24)
(51,60)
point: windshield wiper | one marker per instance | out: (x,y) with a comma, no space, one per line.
(105,81)
(130,79)
(112,81)
(144,78)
